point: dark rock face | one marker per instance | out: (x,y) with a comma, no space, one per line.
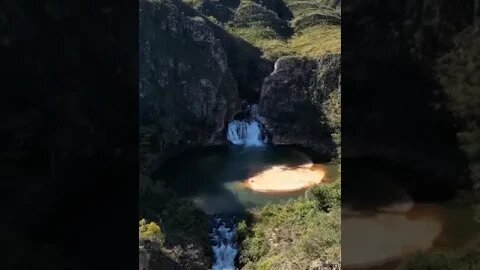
(297,101)
(219,9)
(193,75)
(395,46)
(187,91)
(246,64)
(155,260)
(152,257)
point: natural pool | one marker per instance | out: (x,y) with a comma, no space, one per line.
(230,179)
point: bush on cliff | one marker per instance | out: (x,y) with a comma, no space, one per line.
(182,222)
(327,195)
(150,231)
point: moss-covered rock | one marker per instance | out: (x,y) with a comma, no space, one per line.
(254,15)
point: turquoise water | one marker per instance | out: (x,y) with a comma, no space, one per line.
(213,176)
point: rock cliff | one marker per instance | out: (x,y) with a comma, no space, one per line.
(300,103)
(191,72)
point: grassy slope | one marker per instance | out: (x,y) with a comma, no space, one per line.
(294,234)
(311,42)
(314,34)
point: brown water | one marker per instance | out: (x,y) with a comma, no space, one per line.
(382,240)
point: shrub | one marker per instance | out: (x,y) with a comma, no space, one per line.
(327,195)
(150,231)
(182,221)
(242,229)
(458,72)
(290,235)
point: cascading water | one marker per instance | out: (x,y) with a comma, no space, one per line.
(247,132)
(225,249)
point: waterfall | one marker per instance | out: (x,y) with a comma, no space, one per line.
(246,132)
(224,245)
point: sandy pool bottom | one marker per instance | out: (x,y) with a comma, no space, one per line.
(285,179)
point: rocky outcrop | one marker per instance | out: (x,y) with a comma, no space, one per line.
(187,91)
(193,76)
(152,257)
(300,103)
(191,71)
(155,260)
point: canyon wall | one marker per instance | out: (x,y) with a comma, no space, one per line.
(300,103)
(191,72)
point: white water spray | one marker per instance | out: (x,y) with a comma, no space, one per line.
(246,132)
(224,246)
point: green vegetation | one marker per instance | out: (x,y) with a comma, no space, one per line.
(310,13)
(332,110)
(327,196)
(181,221)
(464,259)
(294,234)
(193,3)
(313,31)
(458,72)
(305,43)
(150,231)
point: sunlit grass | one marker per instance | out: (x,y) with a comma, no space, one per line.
(312,42)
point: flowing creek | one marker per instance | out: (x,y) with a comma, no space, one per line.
(218,180)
